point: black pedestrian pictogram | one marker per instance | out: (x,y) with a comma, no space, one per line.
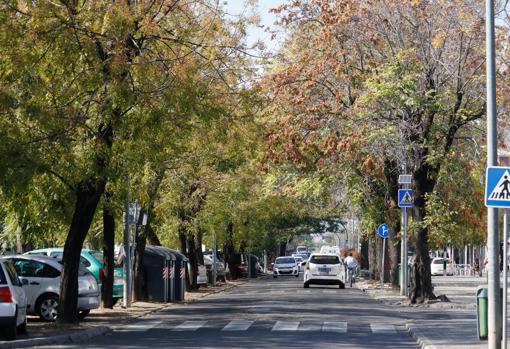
(502,189)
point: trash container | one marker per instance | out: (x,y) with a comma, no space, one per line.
(482,311)
(179,280)
(157,264)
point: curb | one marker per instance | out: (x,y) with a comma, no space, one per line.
(75,337)
(421,339)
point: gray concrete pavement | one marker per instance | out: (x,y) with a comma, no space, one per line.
(270,313)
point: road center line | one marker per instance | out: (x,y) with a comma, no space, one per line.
(285,326)
(334,326)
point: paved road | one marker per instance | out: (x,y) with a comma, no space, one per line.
(272,313)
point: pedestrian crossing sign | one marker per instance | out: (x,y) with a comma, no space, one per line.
(405,198)
(497,187)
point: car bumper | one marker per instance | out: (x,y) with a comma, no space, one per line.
(7,310)
(290,272)
(323,279)
(7,321)
(89,301)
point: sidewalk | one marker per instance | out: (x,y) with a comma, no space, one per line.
(460,331)
(100,321)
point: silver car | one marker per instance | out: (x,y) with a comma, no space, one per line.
(40,276)
(13,302)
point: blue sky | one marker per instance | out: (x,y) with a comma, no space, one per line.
(236,7)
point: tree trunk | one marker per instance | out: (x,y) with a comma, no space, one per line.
(108,257)
(421,287)
(193,263)
(372,256)
(394,256)
(139,272)
(151,236)
(88,194)
(230,255)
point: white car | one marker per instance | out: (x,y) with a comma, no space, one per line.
(40,276)
(437,266)
(220,268)
(299,260)
(324,269)
(13,302)
(285,266)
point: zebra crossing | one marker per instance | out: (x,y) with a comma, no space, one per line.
(341,327)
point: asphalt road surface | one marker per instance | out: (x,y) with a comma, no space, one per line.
(271,313)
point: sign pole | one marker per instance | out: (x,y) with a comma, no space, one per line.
(505,275)
(494,316)
(382,262)
(403,263)
(127,259)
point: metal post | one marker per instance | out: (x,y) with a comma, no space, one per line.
(215,271)
(127,259)
(505,275)
(132,250)
(265,262)
(382,262)
(403,254)
(494,316)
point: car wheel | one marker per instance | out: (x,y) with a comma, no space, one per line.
(274,276)
(47,308)
(341,286)
(306,285)
(82,314)
(22,328)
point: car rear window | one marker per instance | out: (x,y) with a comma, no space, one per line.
(3,280)
(285,260)
(318,259)
(438,261)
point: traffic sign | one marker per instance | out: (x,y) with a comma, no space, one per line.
(405,179)
(497,187)
(383,230)
(405,198)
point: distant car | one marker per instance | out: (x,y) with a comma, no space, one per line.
(285,266)
(202,274)
(299,260)
(40,276)
(220,267)
(437,266)
(13,302)
(323,269)
(301,249)
(93,261)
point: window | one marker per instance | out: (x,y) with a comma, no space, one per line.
(317,259)
(59,255)
(12,274)
(3,280)
(27,268)
(285,260)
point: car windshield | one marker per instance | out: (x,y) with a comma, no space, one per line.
(438,261)
(97,255)
(298,259)
(318,259)
(285,260)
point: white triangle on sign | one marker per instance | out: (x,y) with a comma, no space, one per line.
(501,191)
(407,199)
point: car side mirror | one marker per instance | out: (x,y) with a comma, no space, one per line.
(303,263)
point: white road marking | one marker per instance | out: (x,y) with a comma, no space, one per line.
(329,291)
(238,325)
(305,326)
(334,326)
(140,326)
(383,329)
(190,326)
(285,326)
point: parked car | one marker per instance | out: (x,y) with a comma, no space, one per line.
(92,260)
(40,276)
(13,302)
(285,266)
(202,274)
(437,266)
(220,267)
(323,269)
